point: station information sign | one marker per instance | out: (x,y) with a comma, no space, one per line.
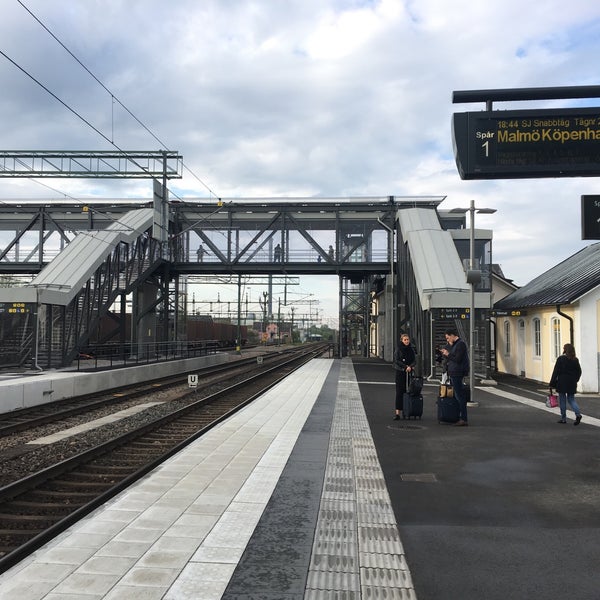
(508,313)
(450,313)
(16,308)
(527,143)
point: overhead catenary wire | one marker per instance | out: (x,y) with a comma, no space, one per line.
(112,95)
(81,117)
(83,66)
(114,99)
(50,188)
(61,101)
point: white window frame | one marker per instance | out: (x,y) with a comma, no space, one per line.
(507,338)
(537,337)
(556,337)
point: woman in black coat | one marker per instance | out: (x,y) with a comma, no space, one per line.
(405,360)
(566,374)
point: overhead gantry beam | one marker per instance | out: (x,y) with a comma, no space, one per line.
(91,164)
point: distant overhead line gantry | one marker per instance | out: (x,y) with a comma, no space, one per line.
(161,164)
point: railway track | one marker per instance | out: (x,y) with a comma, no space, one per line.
(36,508)
(84,422)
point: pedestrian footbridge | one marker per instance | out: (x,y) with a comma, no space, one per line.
(115,255)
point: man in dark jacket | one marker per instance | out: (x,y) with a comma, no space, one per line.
(458,367)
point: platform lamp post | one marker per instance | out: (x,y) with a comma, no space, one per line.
(473,278)
(292,310)
(38,308)
(393,304)
(264,306)
(238,343)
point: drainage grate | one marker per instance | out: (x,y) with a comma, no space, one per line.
(420,477)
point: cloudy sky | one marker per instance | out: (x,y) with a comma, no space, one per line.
(299,98)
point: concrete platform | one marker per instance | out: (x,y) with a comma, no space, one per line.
(315,492)
(24,389)
(33,388)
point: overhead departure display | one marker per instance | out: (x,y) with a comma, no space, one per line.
(527,143)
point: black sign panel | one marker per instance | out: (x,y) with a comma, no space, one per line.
(590,217)
(527,143)
(450,313)
(508,313)
(16,308)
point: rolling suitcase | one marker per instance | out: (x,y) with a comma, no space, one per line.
(448,409)
(412,401)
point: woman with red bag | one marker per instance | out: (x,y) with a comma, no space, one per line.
(566,374)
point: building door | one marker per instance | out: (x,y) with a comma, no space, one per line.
(521,347)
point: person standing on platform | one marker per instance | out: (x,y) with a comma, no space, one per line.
(458,368)
(405,360)
(566,374)
(277,253)
(442,360)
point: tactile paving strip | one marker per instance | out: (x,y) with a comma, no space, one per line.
(357,553)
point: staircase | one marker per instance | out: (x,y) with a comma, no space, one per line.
(76,290)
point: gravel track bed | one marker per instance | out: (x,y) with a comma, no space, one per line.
(18,460)
(19,457)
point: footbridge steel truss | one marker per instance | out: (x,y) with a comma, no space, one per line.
(352,238)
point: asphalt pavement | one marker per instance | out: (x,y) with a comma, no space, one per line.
(506,508)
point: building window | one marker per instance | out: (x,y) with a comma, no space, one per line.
(482,253)
(507,338)
(537,338)
(556,338)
